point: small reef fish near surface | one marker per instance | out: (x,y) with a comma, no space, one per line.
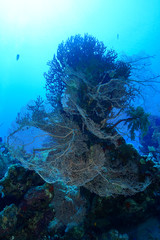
(17,57)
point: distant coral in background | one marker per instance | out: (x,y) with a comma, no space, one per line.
(6,159)
(150,143)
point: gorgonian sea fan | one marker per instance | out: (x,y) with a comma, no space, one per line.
(91,95)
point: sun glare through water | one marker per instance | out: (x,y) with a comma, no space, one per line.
(30,15)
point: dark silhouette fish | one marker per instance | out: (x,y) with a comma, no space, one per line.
(17,57)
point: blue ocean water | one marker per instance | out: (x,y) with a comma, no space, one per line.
(30,32)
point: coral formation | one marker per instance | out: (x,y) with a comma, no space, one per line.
(24,205)
(32,211)
(74,136)
(96,185)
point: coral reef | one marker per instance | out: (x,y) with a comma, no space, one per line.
(24,205)
(77,178)
(6,158)
(73,137)
(150,144)
(33,209)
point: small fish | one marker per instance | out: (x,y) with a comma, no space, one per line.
(117,36)
(17,57)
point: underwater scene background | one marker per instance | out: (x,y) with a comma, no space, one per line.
(79,120)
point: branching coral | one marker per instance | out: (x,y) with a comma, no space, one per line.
(90,94)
